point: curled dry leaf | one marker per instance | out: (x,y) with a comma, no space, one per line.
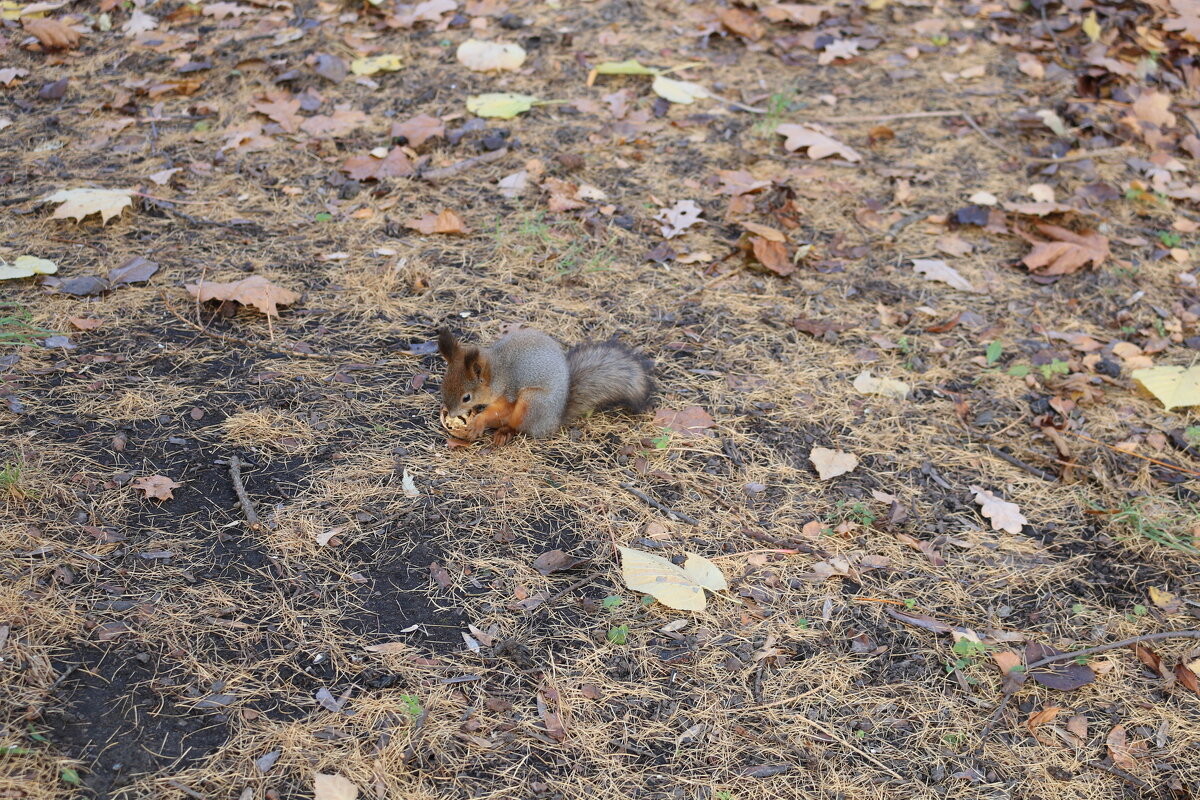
(1067,251)
(26,267)
(52,34)
(818,144)
(743,23)
(1005,516)
(681,92)
(160,487)
(866,383)
(832,463)
(254,291)
(935,269)
(446,222)
(773,255)
(396,164)
(483,56)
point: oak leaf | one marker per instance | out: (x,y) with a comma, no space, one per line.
(818,144)
(254,291)
(160,487)
(1005,516)
(52,34)
(1066,252)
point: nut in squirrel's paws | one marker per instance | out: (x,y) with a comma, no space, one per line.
(459,427)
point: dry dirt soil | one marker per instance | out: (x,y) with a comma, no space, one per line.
(989,206)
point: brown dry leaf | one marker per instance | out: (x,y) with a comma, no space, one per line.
(564,195)
(1006,660)
(738,182)
(556,561)
(742,23)
(282,109)
(551,719)
(772,255)
(254,291)
(1031,65)
(1122,753)
(1066,252)
(85,323)
(446,222)
(160,487)
(953,245)
(1188,676)
(1047,714)
(396,164)
(1153,107)
(817,143)
(765,231)
(1077,727)
(52,34)
(690,421)
(796,13)
(832,463)
(1005,516)
(342,122)
(419,129)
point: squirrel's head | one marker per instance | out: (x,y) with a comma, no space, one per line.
(466,386)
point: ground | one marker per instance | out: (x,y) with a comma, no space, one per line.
(383,620)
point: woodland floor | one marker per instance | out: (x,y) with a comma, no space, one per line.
(167,649)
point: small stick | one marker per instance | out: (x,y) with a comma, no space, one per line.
(189,792)
(1016,462)
(1037,159)
(638,493)
(237,340)
(454,169)
(1166,464)
(888,117)
(235,475)
(1113,769)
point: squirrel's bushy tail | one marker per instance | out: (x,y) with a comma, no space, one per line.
(606,374)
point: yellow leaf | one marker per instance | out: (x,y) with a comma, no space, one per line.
(25,267)
(630,67)
(877,5)
(676,587)
(682,92)
(1161,598)
(487,56)
(502,105)
(1091,26)
(369,66)
(1175,387)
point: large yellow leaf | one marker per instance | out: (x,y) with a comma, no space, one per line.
(481,56)
(79,203)
(369,66)
(683,92)
(502,105)
(25,267)
(1175,387)
(677,587)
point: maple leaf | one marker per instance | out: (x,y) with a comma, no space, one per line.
(1005,516)
(139,22)
(160,487)
(52,34)
(281,109)
(254,291)
(818,144)
(564,195)
(80,203)
(1067,252)
(481,56)
(419,129)
(446,222)
(396,164)
(342,122)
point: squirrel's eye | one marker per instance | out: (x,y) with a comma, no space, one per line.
(466,398)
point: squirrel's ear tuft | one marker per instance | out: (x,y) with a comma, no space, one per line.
(447,344)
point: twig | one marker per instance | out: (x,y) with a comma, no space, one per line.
(1113,769)
(179,202)
(888,117)
(638,493)
(736,104)
(579,584)
(1100,648)
(1080,156)
(235,475)
(1166,464)
(710,283)
(1016,462)
(454,169)
(174,784)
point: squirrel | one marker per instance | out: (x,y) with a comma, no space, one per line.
(525,383)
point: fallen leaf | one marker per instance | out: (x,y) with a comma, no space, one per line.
(85,323)
(738,182)
(765,231)
(396,164)
(681,588)
(254,291)
(1117,744)
(679,217)
(690,421)
(139,22)
(935,269)
(333,787)
(832,463)
(1165,600)
(1173,386)
(953,244)
(1067,252)
(330,67)
(1031,65)
(866,383)
(79,203)
(513,185)
(681,92)
(342,122)
(446,222)
(419,129)
(796,13)
(742,23)
(483,56)
(818,144)
(26,267)
(52,34)
(282,109)
(1005,516)
(160,487)
(500,105)
(1063,676)
(375,64)
(1047,714)
(408,485)
(772,255)
(556,561)
(135,270)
